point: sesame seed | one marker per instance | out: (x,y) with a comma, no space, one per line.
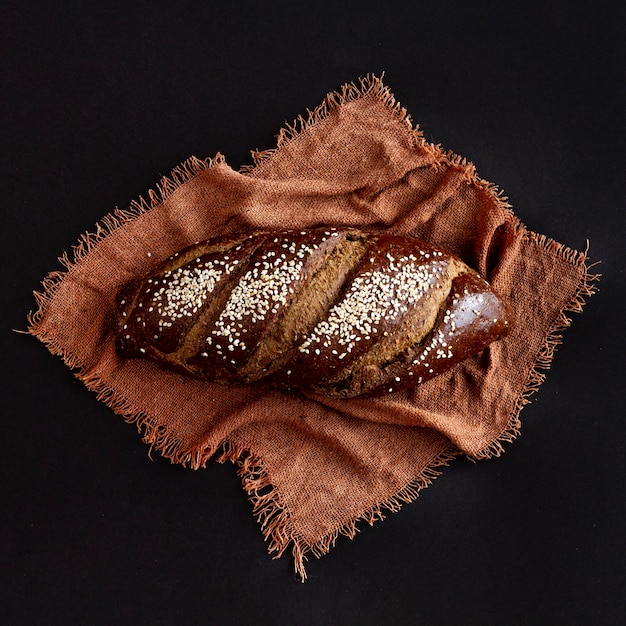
(373,299)
(184,295)
(261,291)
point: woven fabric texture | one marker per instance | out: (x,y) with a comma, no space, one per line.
(315,468)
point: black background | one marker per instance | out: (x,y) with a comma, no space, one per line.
(98,102)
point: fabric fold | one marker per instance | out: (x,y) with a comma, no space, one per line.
(313,467)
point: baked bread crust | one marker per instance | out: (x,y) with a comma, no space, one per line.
(337,312)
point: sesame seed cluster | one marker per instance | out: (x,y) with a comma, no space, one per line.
(437,348)
(185,290)
(178,296)
(168,302)
(375,299)
(261,293)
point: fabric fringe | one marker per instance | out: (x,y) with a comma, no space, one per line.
(554,337)
(182,173)
(368,86)
(275,520)
(373,86)
(268,506)
(155,436)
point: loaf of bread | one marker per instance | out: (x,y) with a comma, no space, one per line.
(337,312)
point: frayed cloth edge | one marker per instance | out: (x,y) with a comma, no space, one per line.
(553,337)
(275,519)
(371,85)
(268,507)
(154,435)
(181,174)
(368,85)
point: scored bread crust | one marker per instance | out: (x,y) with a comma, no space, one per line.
(337,312)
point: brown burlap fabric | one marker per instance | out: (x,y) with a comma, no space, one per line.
(314,468)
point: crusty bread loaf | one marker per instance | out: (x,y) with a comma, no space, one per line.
(337,312)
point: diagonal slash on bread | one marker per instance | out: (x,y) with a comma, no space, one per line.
(338,312)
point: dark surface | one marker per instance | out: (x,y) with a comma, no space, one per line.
(97,104)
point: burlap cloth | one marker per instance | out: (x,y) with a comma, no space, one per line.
(315,468)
